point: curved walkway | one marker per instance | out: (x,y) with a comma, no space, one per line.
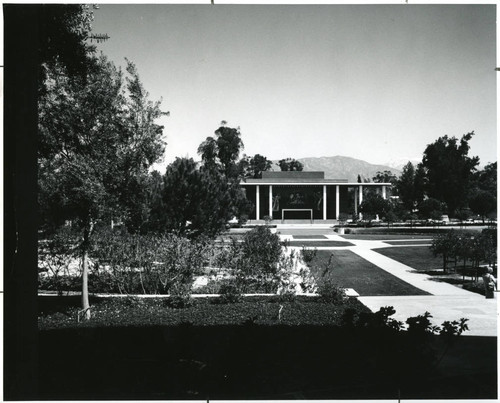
(446,303)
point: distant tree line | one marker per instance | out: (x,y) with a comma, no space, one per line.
(447,181)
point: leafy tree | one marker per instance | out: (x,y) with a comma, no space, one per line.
(252,167)
(384,177)
(290,164)
(446,246)
(487,178)
(483,203)
(222,151)
(431,208)
(449,170)
(374,204)
(96,138)
(63,40)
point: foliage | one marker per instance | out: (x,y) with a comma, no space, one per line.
(222,151)
(308,255)
(252,167)
(195,202)
(486,179)
(290,164)
(449,170)
(150,264)
(431,208)
(384,177)
(453,245)
(256,261)
(483,203)
(374,204)
(55,255)
(229,292)
(63,41)
(331,292)
(410,186)
(97,138)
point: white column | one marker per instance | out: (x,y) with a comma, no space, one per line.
(257,202)
(355,201)
(324,202)
(360,200)
(271,201)
(337,202)
(384,194)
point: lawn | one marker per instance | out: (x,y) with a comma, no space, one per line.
(319,243)
(351,271)
(383,237)
(419,258)
(410,242)
(309,237)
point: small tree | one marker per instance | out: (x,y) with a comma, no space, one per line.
(446,246)
(95,136)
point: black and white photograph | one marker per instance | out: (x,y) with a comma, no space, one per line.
(220,201)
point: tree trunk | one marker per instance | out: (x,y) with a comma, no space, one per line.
(85,271)
(85,286)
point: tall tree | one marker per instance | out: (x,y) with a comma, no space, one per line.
(98,136)
(65,30)
(406,186)
(252,167)
(449,170)
(290,164)
(223,150)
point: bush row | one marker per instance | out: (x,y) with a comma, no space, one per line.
(134,311)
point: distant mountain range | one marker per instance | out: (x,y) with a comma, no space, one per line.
(339,167)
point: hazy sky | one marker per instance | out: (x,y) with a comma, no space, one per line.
(375,82)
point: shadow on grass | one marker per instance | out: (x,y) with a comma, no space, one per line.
(258,362)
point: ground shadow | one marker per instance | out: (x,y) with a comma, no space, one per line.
(259,362)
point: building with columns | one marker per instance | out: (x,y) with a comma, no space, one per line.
(306,195)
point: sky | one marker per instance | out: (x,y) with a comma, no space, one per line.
(373,82)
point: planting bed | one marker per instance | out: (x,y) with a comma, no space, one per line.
(61,312)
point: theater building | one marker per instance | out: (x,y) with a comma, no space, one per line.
(299,195)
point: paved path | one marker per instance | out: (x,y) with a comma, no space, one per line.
(446,303)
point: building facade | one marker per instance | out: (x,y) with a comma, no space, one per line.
(306,195)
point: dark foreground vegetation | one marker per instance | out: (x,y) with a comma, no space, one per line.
(345,352)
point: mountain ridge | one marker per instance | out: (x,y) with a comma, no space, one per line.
(341,167)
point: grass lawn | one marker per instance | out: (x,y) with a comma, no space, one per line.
(410,242)
(351,271)
(309,237)
(419,258)
(382,237)
(311,244)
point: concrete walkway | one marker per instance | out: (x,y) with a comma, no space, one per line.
(447,302)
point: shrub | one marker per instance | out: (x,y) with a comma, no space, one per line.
(149,264)
(331,292)
(308,255)
(229,293)
(261,251)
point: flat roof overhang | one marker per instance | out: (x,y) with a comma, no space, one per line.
(315,183)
